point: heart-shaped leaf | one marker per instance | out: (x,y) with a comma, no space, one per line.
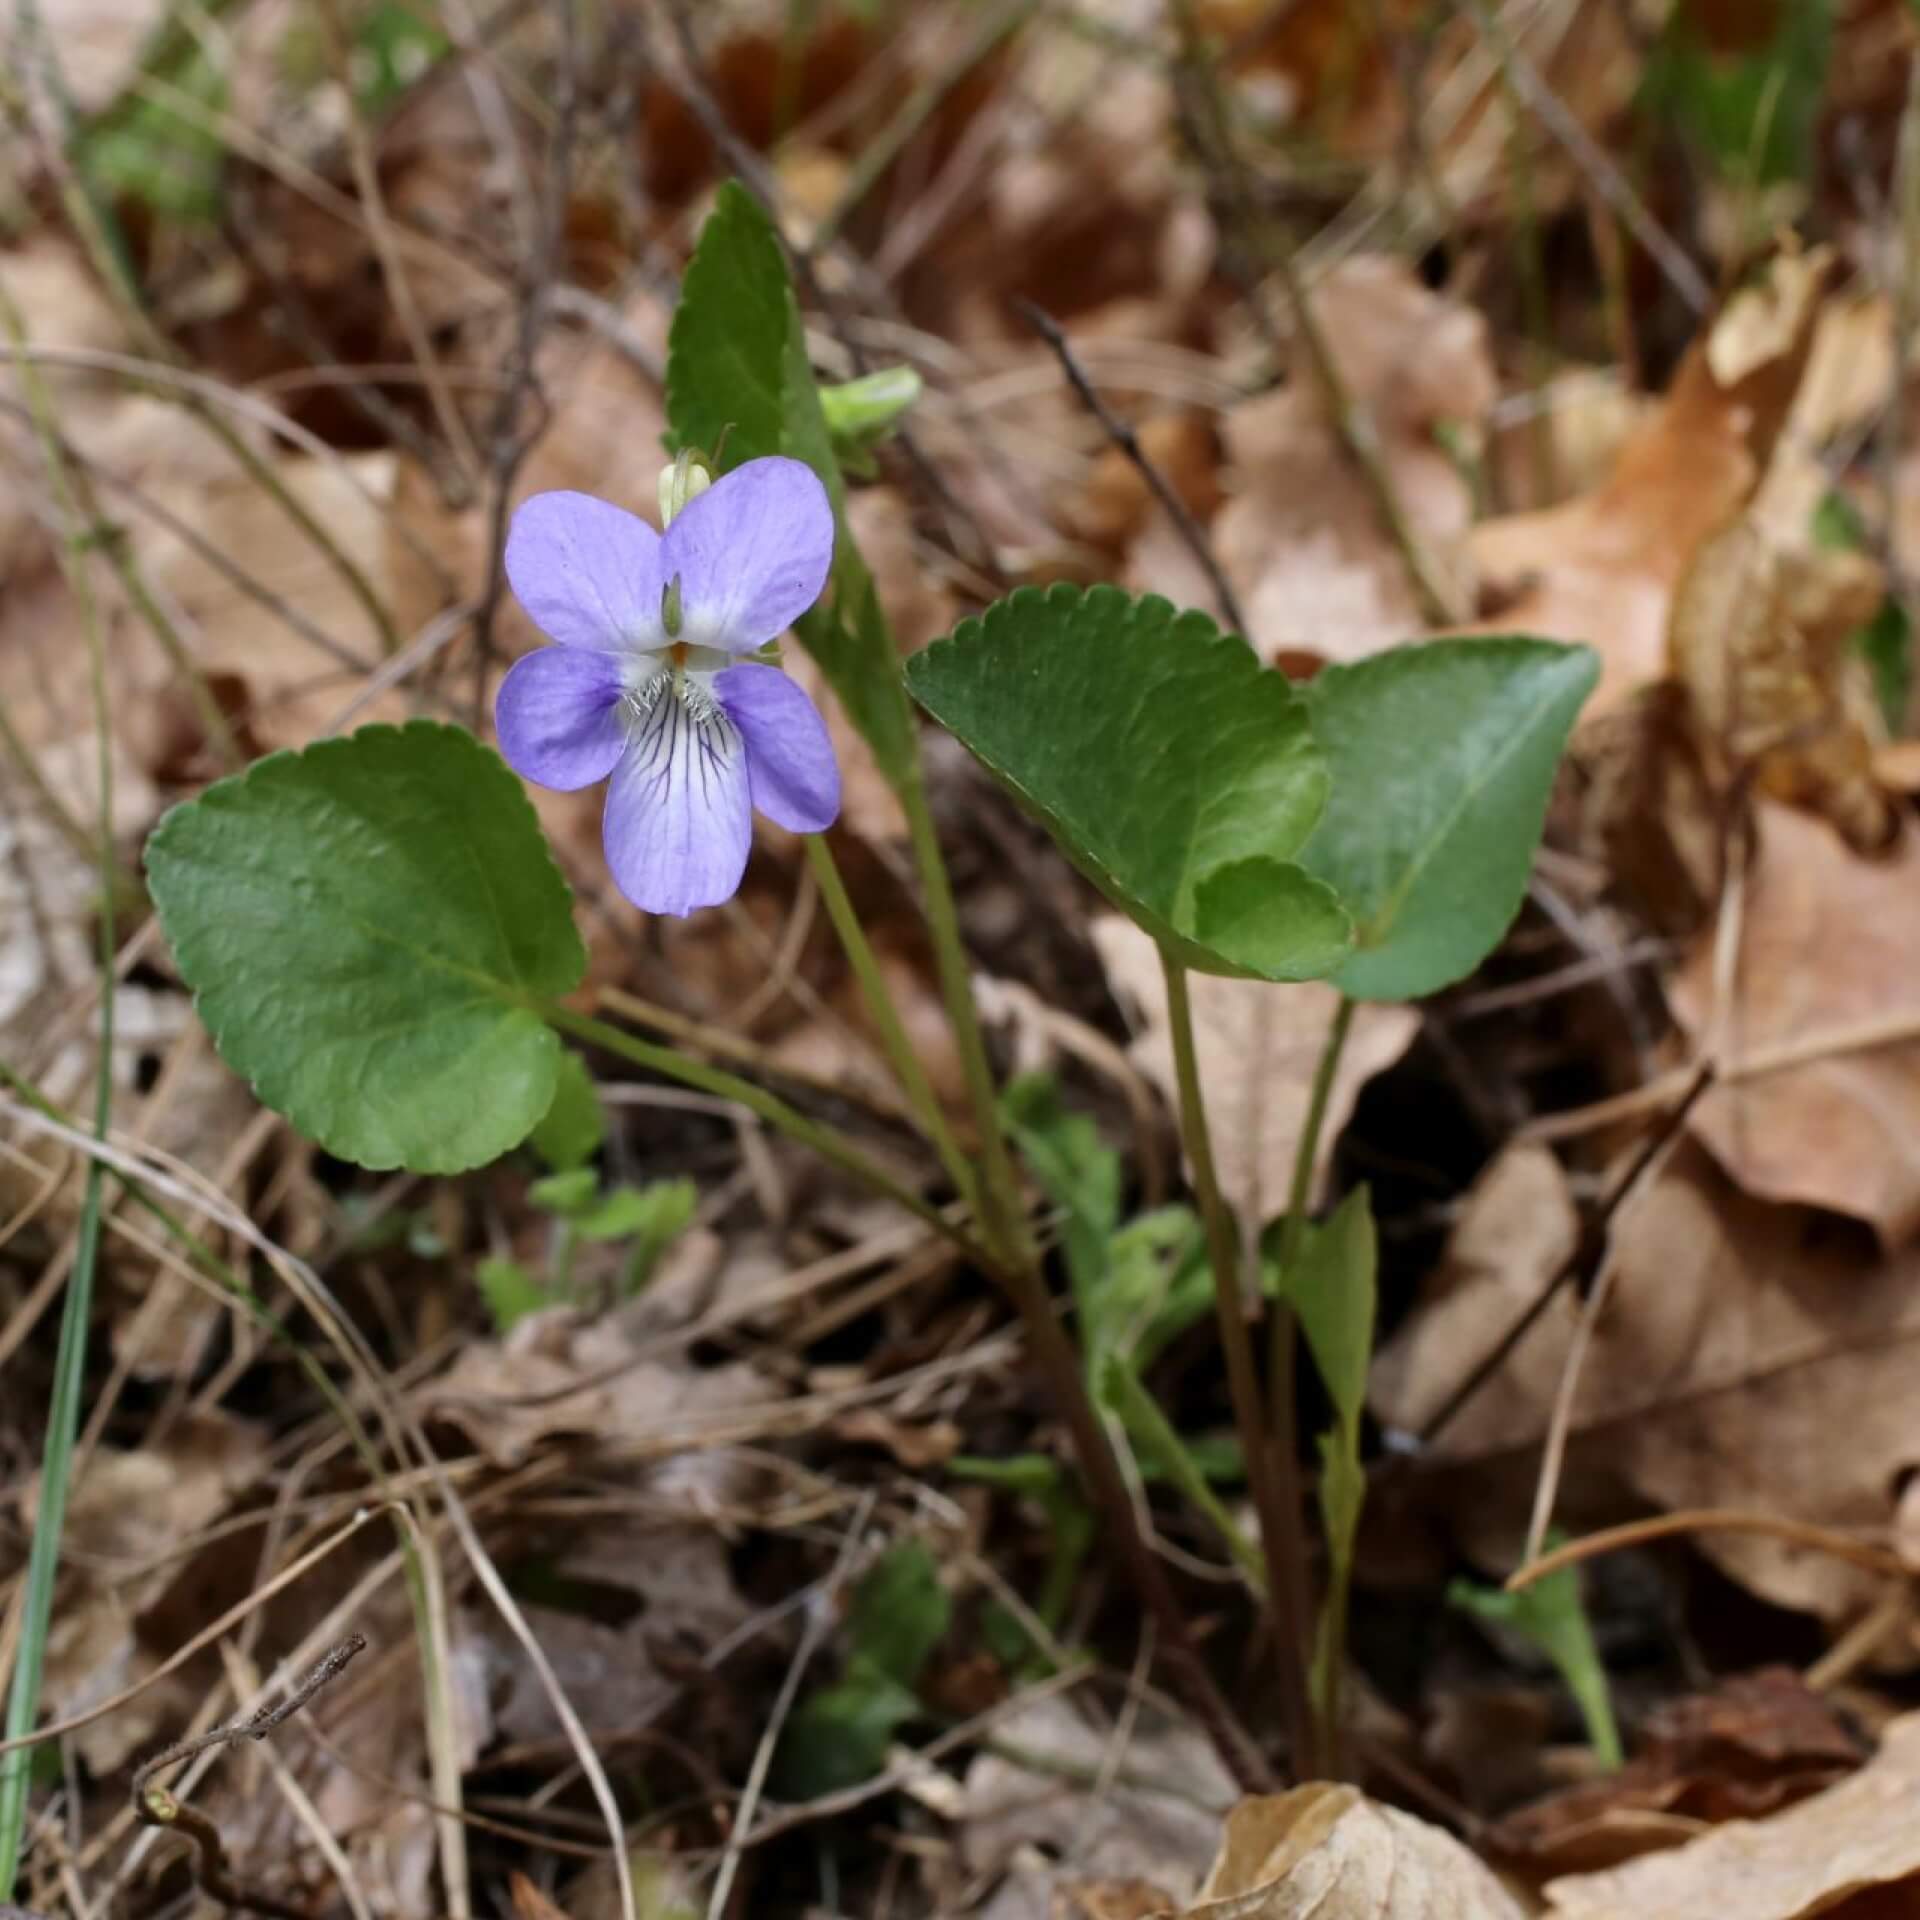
(1443,754)
(1176,771)
(369,927)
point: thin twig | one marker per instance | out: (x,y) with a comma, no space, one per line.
(1282,1543)
(1123,436)
(1359,436)
(1647,1170)
(1582,1260)
(393,271)
(1634,1533)
(1584,151)
(820,1620)
(508,441)
(154,1806)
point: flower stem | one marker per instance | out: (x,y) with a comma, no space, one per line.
(1003,1213)
(828,1142)
(1283,1340)
(1282,1539)
(886,1016)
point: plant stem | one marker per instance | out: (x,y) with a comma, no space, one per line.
(1140,1412)
(1052,1351)
(1281,1414)
(886,1016)
(1308,1150)
(828,1142)
(1282,1540)
(1003,1215)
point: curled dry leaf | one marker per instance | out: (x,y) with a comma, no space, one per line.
(1258,1045)
(1827,941)
(1603,567)
(1857,1840)
(1750,1355)
(1324,1852)
(1756,1743)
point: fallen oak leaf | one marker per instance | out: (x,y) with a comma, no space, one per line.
(1752,1356)
(1826,945)
(1603,567)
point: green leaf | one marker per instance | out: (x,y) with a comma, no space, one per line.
(1079,1172)
(1036,1475)
(861,413)
(1176,771)
(654,1214)
(1755,111)
(1443,754)
(900,1613)
(839,1735)
(1158,1284)
(393,45)
(669,1211)
(568,1194)
(163,155)
(1549,1613)
(739,382)
(371,927)
(1331,1286)
(510,1291)
(575,1124)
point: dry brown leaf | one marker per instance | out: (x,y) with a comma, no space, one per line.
(1856,1838)
(1048,1829)
(1756,1743)
(1826,948)
(1298,536)
(1258,1045)
(1602,568)
(1760,640)
(529,1903)
(128,1513)
(1750,1355)
(295,687)
(1324,1852)
(553,1377)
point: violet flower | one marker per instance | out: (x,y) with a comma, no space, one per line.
(645,683)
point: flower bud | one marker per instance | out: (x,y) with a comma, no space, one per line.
(685,478)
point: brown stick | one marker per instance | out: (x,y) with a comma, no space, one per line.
(1123,436)
(154,1806)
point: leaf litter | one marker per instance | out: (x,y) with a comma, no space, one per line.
(667,1474)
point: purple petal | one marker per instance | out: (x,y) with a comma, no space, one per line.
(790,765)
(587,572)
(558,717)
(679,820)
(752,553)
